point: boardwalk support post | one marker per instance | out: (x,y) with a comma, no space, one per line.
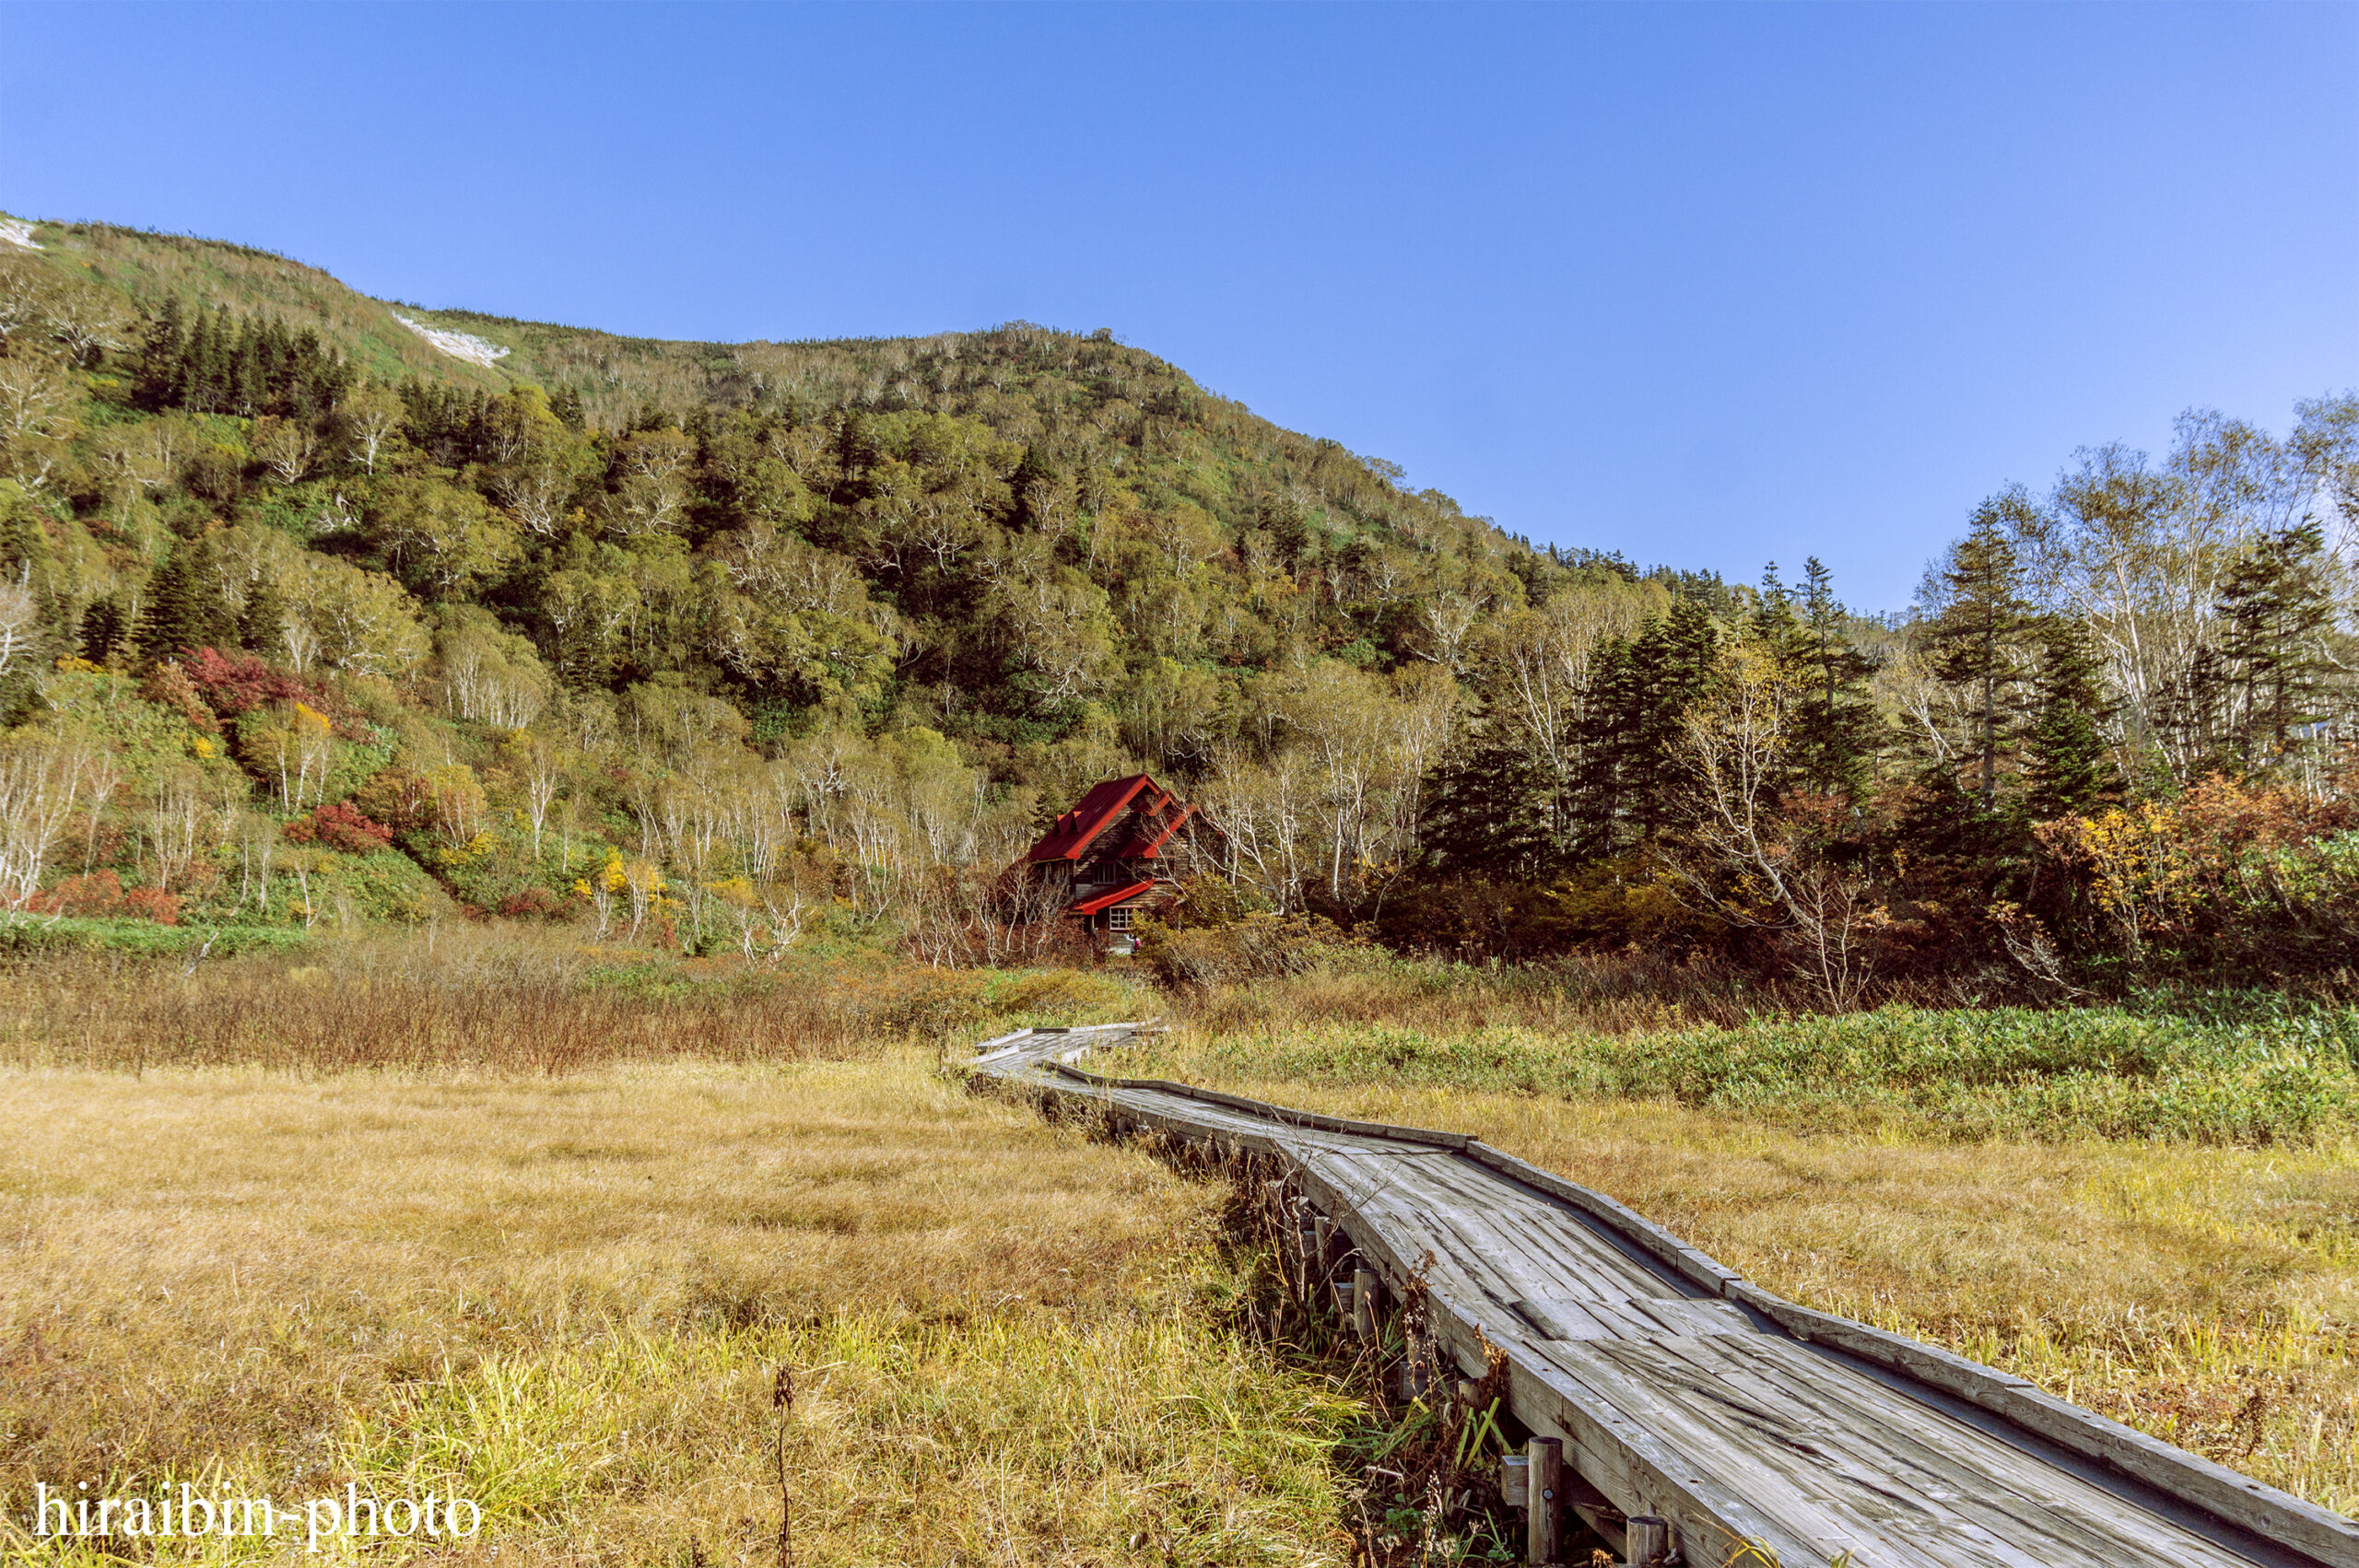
(1364,1302)
(1547,1484)
(1646,1540)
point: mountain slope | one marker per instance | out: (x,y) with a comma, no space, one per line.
(1080,399)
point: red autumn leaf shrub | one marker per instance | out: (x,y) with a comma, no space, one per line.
(535,904)
(338,826)
(239,683)
(103,893)
(153,903)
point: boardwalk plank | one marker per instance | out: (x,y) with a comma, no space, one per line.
(1682,1390)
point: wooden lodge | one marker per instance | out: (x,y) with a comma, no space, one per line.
(1119,854)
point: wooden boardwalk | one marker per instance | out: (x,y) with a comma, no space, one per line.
(1683,1391)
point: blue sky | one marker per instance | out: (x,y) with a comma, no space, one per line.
(1707,286)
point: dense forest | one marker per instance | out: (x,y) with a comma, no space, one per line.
(318,609)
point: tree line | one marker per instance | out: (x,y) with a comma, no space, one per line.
(973,573)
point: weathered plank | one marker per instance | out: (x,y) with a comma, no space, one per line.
(1681,1391)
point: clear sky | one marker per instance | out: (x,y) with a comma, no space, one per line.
(1707,286)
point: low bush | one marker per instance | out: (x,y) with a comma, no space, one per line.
(102,895)
(1251,947)
(338,826)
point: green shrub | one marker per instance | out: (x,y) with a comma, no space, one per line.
(31,936)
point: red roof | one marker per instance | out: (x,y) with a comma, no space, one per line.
(1091,907)
(1147,843)
(1071,833)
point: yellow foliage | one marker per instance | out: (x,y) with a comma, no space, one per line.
(737,890)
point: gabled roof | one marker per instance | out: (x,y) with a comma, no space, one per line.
(1072,834)
(1104,900)
(1154,831)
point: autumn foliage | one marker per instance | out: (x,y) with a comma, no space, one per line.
(338,826)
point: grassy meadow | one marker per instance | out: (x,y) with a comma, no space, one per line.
(543,1222)
(569,1299)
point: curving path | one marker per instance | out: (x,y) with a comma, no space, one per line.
(1683,1391)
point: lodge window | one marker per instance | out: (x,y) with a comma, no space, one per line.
(1117,919)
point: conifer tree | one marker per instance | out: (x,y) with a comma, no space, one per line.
(1644,687)
(184,611)
(262,625)
(1978,632)
(2274,607)
(2068,766)
(1490,805)
(103,626)
(162,352)
(1774,624)
(212,345)
(1836,726)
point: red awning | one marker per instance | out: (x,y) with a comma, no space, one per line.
(1091,907)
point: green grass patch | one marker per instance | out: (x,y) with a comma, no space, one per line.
(26,935)
(1961,1074)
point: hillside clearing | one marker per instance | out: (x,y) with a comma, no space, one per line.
(458,344)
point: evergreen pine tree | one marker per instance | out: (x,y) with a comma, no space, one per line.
(1836,726)
(211,346)
(1036,470)
(1978,632)
(1774,625)
(1490,800)
(1289,530)
(2274,608)
(2068,766)
(160,355)
(262,625)
(1631,771)
(184,611)
(103,630)
(244,387)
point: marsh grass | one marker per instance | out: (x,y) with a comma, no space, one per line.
(489,999)
(571,1297)
(1943,1075)
(497,1206)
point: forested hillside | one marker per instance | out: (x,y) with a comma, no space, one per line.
(323,609)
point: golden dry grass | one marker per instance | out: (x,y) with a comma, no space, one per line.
(570,1296)
(2210,1296)
(507,999)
